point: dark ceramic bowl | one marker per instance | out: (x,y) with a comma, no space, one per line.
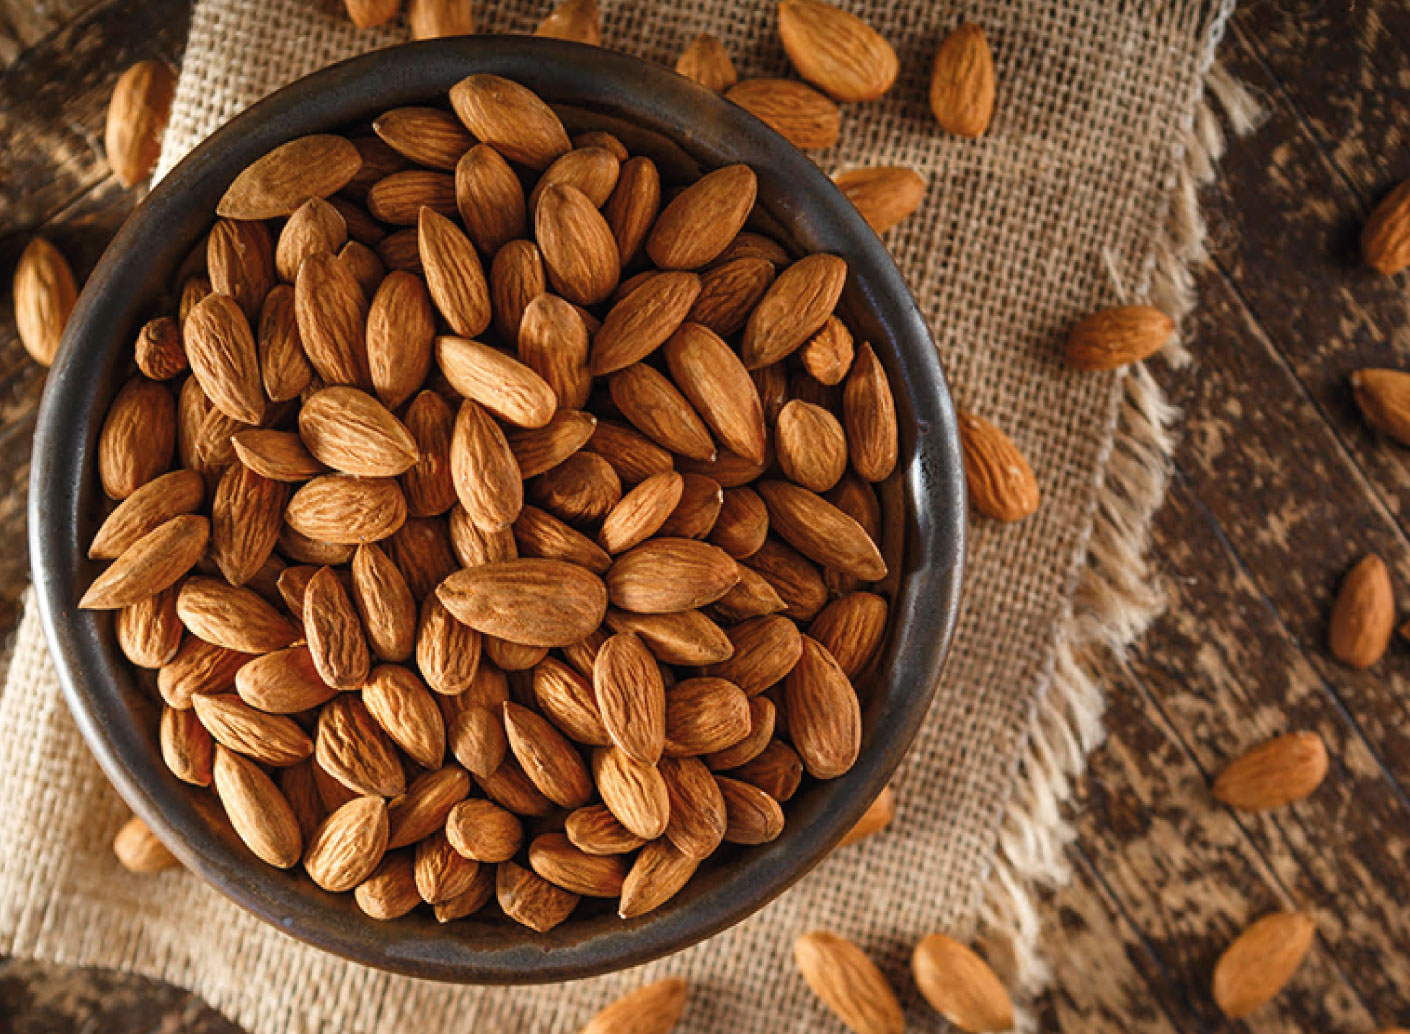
(688,130)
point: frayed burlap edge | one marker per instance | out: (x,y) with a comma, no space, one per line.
(1116,596)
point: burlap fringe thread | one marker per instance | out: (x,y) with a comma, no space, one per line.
(1117,595)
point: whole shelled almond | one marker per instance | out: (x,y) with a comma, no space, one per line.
(511,119)
(454,276)
(634,204)
(594,830)
(531,601)
(836,51)
(426,136)
(145,509)
(1000,481)
(276,184)
(962,82)
(399,198)
(385,603)
(231,616)
(811,445)
(400,330)
(1117,337)
(820,531)
(434,19)
(684,637)
(554,857)
(259,812)
(777,770)
(517,278)
(151,564)
(653,1009)
(1363,615)
(801,115)
(221,350)
(149,632)
(284,367)
(824,717)
(1272,774)
(391,889)
(159,352)
(198,667)
(702,219)
(137,115)
(657,408)
(316,227)
(579,250)
(795,581)
(665,575)
(335,637)
(347,848)
(883,194)
(848,983)
(426,805)
(851,628)
(751,815)
(278,455)
(707,61)
(346,510)
(353,749)
(245,520)
(490,199)
(729,291)
(960,986)
(704,715)
(576,20)
(442,873)
(698,817)
(402,705)
(528,898)
(592,170)
(471,901)
(715,381)
(794,308)
(283,682)
(658,873)
(1260,961)
(1385,239)
(138,850)
(630,697)
(352,432)
(331,312)
(1383,396)
(640,323)
(763,722)
(484,831)
(548,758)
(634,792)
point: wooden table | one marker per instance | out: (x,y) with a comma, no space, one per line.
(1277,489)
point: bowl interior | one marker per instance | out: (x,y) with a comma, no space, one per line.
(687,130)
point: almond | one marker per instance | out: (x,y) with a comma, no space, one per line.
(158,349)
(828,354)
(1260,961)
(151,564)
(193,291)
(777,770)
(795,306)
(707,62)
(361,226)
(331,312)
(539,449)
(763,718)
(766,648)
(554,858)
(442,873)
(347,511)
(137,115)
(704,715)
(751,815)
(630,697)
(547,758)
(283,682)
(286,177)
(145,509)
(278,455)
(848,983)
(484,470)
(315,228)
(851,628)
(703,218)
(433,19)
(299,786)
(347,848)
(1385,239)
(579,251)
(510,118)
(453,274)
(593,170)
(490,199)
(232,617)
(138,849)
(399,251)
(595,831)
(531,900)
(665,575)
(577,20)
(367,14)
(530,601)
(717,384)
(476,737)
(353,749)
(471,901)
(698,821)
(540,534)
(603,139)
(772,383)
(403,707)
(303,550)
(876,818)
(516,279)
(1272,774)
(654,406)
(334,632)
(1116,337)
(352,432)
(634,204)
(148,631)
(836,51)
(553,342)
(385,603)
(632,455)
(824,718)
(390,891)
(883,194)
(960,986)
(428,485)
(685,637)
(641,322)
(421,548)
(484,831)
(245,517)
(811,446)
(447,651)
(1000,481)
(820,531)
(261,816)
(399,198)
(634,792)
(284,368)
(568,700)
(700,503)
(426,805)
(659,872)
(798,113)
(962,82)
(729,292)
(1363,616)
(400,331)
(1383,396)
(742,523)
(796,582)
(505,386)
(474,545)
(221,350)
(641,512)
(364,264)
(426,136)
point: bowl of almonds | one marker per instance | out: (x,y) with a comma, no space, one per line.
(497,513)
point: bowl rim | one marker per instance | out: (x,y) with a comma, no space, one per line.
(119,295)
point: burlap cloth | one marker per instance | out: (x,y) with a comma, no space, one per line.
(1079,196)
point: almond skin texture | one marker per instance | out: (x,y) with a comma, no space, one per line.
(1272,774)
(1000,481)
(811,446)
(286,177)
(653,1009)
(531,601)
(400,702)
(567,698)
(704,715)
(632,455)
(511,119)
(530,899)
(729,292)
(222,354)
(1383,396)
(278,455)
(595,831)
(579,251)
(433,19)
(641,322)
(641,512)
(453,274)
(44,293)
(232,617)
(793,309)
(794,579)
(259,812)
(776,770)
(553,342)
(245,518)
(660,870)
(352,748)
(137,114)
(707,62)
(576,20)
(335,638)
(283,682)
(883,194)
(1261,960)
(1363,615)
(390,891)
(869,417)
(316,227)
(653,404)
(851,628)
(798,113)
(630,697)
(824,718)
(484,831)
(962,82)
(666,575)
(483,469)
(158,349)
(516,279)
(151,564)
(348,846)
(352,432)
(835,51)
(698,818)
(1117,337)
(634,792)
(719,387)
(634,205)
(145,509)
(149,632)
(400,330)
(331,312)
(384,602)
(593,170)
(427,136)
(751,815)
(702,219)
(686,637)
(820,531)
(1385,239)
(399,198)
(503,385)
(554,858)
(848,983)
(548,759)
(347,511)
(960,986)
(490,199)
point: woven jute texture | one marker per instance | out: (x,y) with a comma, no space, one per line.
(1061,208)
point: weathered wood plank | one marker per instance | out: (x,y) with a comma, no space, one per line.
(23,23)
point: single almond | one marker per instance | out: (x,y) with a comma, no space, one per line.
(352,748)
(540,534)
(148,631)
(284,368)
(261,816)
(423,810)
(633,205)
(510,118)
(633,791)
(795,306)
(344,510)
(472,900)
(400,251)
(851,628)
(547,757)
(474,545)
(352,432)
(1274,773)
(483,831)
(729,292)
(700,503)
(233,617)
(476,737)
(187,748)
(630,697)
(539,449)
(1117,337)
(593,170)
(531,900)
(1260,961)
(453,274)
(400,330)
(1363,615)
(283,682)
(836,51)
(707,61)
(581,490)
(777,770)
(278,455)
(576,20)
(824,717)
(390,891)
(704,715)
(751,815)
(530,601)
(503,385)
(554,857)
(654,405)
(151,564)
(641,322)
(137,116)
(483,468)
(553,342)
(703,218)
(315,228)
(828,354)
(686,637)
(848,983)
(426,136)
(567,699)
(698,820)
(960,986)
(763,719)
(385,603)
(766,648)
(742,523)
(158,350)
(594,830)
(246,512)
(795,581)
(811,445)
(516,279)
(44,295)
(198,667)
(579,252)
(402,705)
(640,513)
(442,873)
(428,485)
(347,848)
(364,264)
(331,312)
(335,637)
(820,531)
(717,384)
(801,115)
(278,183)
(490,199)
(222,353)
(883,194)
(434,19)
(421,548)
(1385,239)
(447,650)
(632,455)
(1383,396)
(658,873)
(399,198)
(145,509)
(138,850)
(603,139)
(665,575)
(869,417)
(962,82)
